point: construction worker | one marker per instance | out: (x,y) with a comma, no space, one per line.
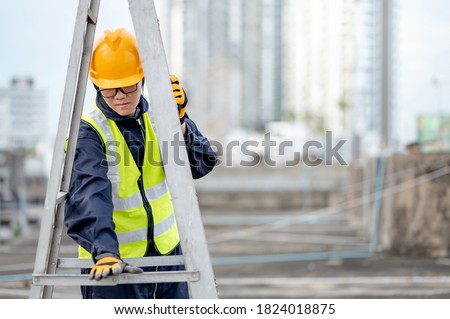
(119,205)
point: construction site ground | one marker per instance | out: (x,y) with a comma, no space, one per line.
(376,276)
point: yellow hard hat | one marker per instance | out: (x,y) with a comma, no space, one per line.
(115,60)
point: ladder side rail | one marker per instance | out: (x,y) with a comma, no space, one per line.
(80,93)
(72,138)
(54,183)
(52,262)
(179,177)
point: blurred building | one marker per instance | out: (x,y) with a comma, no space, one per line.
(433,133)
(338,69)
(23,123)
(374,86)
(325,63)
(318,64)
(23,131)
(228,55)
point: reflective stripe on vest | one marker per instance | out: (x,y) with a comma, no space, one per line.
(129,215)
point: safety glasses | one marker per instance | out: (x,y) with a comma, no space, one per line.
(108,93)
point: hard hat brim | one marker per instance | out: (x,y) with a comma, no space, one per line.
(111,84)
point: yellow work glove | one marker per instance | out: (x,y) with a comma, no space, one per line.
(108,266)
(180,97)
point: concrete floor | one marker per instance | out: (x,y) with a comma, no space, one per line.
(377,276)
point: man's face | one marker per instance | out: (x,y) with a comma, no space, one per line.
(123,100)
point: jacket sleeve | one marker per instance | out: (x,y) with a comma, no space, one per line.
(201,156)
(88,210)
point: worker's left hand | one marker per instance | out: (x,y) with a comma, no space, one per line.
(180,97)
(109,265)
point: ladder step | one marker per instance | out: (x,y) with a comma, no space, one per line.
(68,263)
(146,277)
(91,17)
(61,197)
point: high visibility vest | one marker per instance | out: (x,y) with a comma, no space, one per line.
(143,211)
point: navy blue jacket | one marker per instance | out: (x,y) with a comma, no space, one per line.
(88,210)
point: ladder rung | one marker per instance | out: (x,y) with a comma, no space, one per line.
(146,277)
(61,197)
(91,18)
(139,262)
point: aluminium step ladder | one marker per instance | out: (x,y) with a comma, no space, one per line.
(199,273)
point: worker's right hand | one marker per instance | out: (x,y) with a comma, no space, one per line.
(108,266)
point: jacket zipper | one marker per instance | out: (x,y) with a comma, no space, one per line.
(148,209)
(147,206)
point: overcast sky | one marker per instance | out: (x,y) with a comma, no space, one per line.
(35,39)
